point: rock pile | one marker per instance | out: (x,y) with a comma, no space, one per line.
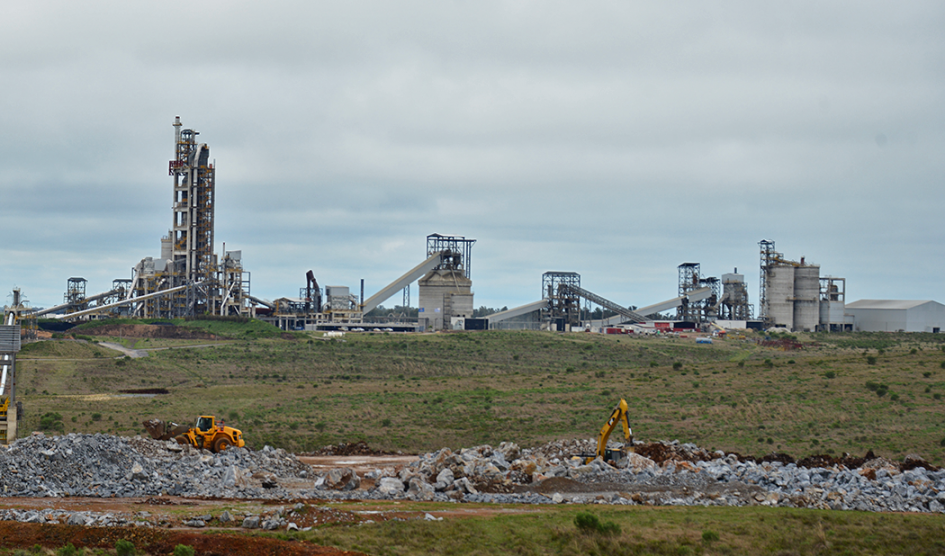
(681,474)
(104,465)
(664,473)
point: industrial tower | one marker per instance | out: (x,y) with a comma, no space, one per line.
(188,272)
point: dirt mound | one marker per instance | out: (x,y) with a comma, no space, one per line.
(155,541)
(660,452)
(169,332)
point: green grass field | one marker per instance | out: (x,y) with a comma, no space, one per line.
(842,393)
(647,530)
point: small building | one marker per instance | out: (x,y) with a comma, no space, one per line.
(892,315)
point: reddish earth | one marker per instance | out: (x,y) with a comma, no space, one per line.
(155,541)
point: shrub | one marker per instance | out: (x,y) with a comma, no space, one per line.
(386,423)
(51,422)
(124,548)
(96,416)
(710,536)
(677,365)
(68,550)
(769,363)
(830,374)
(927,374)
(587,522)
(183,550)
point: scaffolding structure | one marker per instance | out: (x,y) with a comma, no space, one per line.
(689,279)
(769,257)
(458,252)
(560,289)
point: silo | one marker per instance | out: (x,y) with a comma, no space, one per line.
(780,295)
(806,297)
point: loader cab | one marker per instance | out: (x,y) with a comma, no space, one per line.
(204,423)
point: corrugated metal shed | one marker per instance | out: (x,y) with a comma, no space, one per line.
(894,315)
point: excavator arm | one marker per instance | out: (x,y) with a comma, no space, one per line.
(619,415)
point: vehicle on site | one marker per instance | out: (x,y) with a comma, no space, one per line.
(206,434)
(619,415)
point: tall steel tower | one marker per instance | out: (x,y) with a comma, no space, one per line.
(192,232)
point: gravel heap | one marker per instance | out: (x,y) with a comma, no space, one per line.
(105,466)
(278,518)
(685,475)
(662,473)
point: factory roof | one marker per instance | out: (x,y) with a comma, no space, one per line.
(887,303)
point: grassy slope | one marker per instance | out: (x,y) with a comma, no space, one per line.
(646,530)
(423,392)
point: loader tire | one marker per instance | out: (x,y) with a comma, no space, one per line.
(221,444)
(181,439)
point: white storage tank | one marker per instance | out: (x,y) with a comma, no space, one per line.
(806,297)
(779,291)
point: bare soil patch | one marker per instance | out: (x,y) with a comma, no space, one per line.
(156,541)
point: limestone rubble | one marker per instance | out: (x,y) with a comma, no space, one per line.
(664,473)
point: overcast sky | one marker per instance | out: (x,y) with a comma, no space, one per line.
(614,139)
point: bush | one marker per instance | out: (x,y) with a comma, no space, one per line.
(589,523)
(183,550)
(871,360)
(68,550)
(677,365)
(124,548)
(710,536)
(927,374)
(96,416)
(830,374)
(769,363)
(51,422)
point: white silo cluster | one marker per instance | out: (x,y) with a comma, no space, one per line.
(791,295)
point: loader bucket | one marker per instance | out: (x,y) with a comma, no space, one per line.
(164,430)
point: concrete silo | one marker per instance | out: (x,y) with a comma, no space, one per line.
(806,297)
(780,295)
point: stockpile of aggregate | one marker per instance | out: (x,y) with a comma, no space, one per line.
(104,466)
(662,473)
(680,474)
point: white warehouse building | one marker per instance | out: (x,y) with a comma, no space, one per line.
(891,315)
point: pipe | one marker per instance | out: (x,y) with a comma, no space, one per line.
(3,378)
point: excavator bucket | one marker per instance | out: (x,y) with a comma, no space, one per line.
(164,430)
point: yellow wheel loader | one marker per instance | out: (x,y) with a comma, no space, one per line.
(206,434)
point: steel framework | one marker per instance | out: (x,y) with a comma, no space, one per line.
(458,254)
(563,300)
(768,257)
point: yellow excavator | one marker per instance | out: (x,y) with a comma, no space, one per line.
(619,415)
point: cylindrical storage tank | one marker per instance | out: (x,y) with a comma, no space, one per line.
(779,290)
(806,297)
